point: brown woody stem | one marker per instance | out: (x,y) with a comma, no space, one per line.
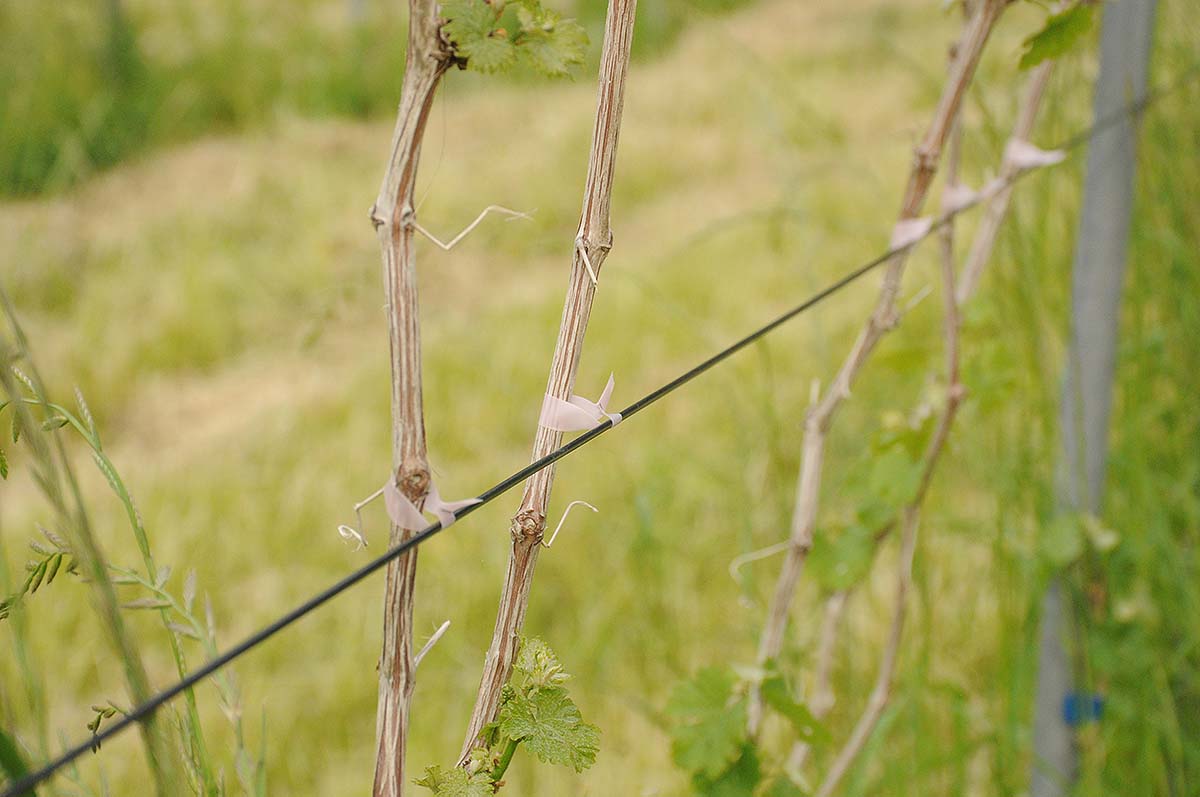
(592,244)
(394,218)
(881,321)
(953,299)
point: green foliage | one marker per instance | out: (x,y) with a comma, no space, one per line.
(778,696)
(709,731)
(709,722)
(895,476)
(782,786)
(550,44)
(536,713)
(548,724)
(739,780)
(175,617)
(455,782)
(12,764)
(494,36)
(99,715)
(42,570)
(885,480)
(840,559)
(1062,32)
(709,739)
(537,665)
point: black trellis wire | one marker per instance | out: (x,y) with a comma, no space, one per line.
(24,785)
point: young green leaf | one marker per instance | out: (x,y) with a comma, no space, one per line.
(455,782)
(541,38)
(710,724)
(839,561)
(472,28)
(739,780)
(1059,35)
(490,54)
(895,476)
(549,43)
(537,663)
(777,695)
(549,724)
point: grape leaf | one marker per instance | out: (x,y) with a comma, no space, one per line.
(544,40)
(472,28)
(710,725)
(895,476)
(776,694)
(738,780)
(490,54)
(839,561)
(468,20)
(549,724)
(455,782)
(537,663)
(1058,36)
(549,43)
(782,786)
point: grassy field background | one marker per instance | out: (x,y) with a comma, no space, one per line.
(219,303)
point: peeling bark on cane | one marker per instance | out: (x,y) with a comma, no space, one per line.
(394,220)
(592,244)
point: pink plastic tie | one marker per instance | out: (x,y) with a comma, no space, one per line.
(577,414)
(406,515)
(1024,155)
(908,231)
(957,197)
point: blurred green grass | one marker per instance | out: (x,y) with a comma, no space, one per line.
(219,304)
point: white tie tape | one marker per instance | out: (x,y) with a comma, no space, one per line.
(406,515)
(908,231)
(1024,155)
(577,414)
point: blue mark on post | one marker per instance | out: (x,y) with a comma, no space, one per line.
(1079,708)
